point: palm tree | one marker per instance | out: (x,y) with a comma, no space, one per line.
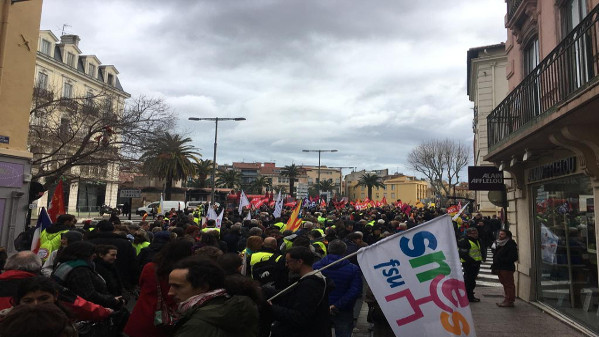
(279,188)
(370,180)
(170,157)
(228,178)
(260,183)
(292,172)
(326,185)
(203,170)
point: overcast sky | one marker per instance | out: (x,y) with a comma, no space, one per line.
(371,79)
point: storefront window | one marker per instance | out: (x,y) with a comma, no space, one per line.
(565,231)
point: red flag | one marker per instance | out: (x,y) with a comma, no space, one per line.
(271,197)
(57,204)
(384,201)
(323,203)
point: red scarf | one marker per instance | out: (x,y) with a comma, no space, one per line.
(197,300)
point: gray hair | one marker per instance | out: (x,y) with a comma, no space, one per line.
(337,247)
(256,231)
(25,261)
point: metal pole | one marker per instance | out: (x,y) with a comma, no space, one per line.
(312,273)
(214,161)
(318,180)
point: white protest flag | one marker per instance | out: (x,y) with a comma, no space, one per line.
(211,215)
(248,216)
(416,278)
(219,219)
(243,201)
(460,212)
(278,206)
(161,206)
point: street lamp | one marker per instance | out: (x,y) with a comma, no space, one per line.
(319,152)
(215,120)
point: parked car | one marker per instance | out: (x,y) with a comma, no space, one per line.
(168,205)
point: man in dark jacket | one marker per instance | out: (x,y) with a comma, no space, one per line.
(303,310)
(126,262)
(348,287)
(505,255)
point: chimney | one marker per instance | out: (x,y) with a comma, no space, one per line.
(70,39)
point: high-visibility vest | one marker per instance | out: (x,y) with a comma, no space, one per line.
(322,246)
(259,257)
(138,246)
(49,242)
(207,229)
(371,223)
(474,251)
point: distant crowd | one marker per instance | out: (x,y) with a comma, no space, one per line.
(182,275)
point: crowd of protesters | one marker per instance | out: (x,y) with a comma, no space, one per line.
(180,275)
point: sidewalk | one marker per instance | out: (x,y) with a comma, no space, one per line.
(490,320)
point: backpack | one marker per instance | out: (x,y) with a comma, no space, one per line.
(24,239)
(265,271)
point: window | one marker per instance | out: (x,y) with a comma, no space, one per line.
(110,79)
(46,46)
(71,59)
(42,80)
(91,70)
(572,13)
(531,56)
(89,98)
(67,90)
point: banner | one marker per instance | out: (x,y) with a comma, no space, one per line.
(416,278)
(278,206)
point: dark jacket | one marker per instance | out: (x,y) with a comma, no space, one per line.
(126,262)
(232,238)
(505,256)
(80,277)
(235,316)
(110,275)
(348,281)
(304,310)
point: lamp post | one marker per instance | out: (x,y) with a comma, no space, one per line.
(319,152)
(215,120)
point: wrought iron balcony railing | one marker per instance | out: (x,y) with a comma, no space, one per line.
(512,7)
(571,67)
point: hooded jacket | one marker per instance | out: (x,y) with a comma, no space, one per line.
(223,316)
(126,261)
(347,278)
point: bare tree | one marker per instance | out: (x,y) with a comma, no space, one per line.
(441,162)
(90,132)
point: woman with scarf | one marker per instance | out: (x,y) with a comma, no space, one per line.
(506,253)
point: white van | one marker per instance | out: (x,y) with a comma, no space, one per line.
(168,205)
(192,205)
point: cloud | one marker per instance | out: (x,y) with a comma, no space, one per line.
(371,79)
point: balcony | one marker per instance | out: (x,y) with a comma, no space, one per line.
(568,71)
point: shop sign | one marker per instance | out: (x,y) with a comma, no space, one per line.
(485,178)
(554,169)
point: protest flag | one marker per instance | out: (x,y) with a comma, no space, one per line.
(278,206)
(295,220)
(219,218)
(43,222)
(57,204)
(243,201)
(416,278)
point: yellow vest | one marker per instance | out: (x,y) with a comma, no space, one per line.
(49,242)
(322,246)
(138,246)
(474,252)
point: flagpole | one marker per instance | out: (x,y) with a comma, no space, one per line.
(313,273)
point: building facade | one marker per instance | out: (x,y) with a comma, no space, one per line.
(486,87)
(74,91)
(19,22)
(544,133)
(397,187)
